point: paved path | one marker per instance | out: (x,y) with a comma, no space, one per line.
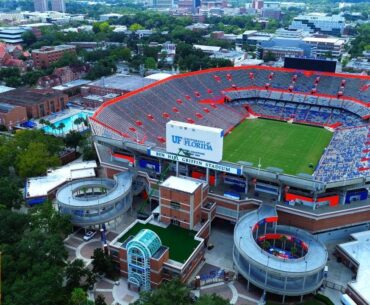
(114,294)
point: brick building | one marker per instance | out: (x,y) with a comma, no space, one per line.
(45,56)
(162,248)
(11,115)
(62,75)
(38,103)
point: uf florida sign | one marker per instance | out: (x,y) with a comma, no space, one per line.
(201,142)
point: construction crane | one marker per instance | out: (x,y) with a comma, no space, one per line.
(141,214)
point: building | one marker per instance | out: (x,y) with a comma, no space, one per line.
(319,23)
(167,53)
(181,201)
(39,189)
(355,255)
(280,48)
(45,56)
(289,33)
(236,57)
(58,6)
(110,16)
(63,75)
(40,5)
(271,13)
(171,242)
(326,46)
(257,4)
(38,103)
(163,4)
(207,49)
(188,5)
(11,115)
(12,34)
(298,273)
(252,37)
(117,84)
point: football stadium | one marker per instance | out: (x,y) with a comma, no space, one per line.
(298,139)
(252,146)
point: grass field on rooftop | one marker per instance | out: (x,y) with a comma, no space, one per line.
(180,241)
(291,147)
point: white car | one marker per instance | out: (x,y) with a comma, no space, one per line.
(89,235)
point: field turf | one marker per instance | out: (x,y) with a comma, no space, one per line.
(291,147)
(180,241)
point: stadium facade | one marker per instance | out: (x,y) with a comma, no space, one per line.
(130,134)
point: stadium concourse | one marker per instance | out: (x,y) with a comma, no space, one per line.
(318,195)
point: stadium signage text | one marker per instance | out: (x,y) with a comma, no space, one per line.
(199,142)
(192,143)
(205,164)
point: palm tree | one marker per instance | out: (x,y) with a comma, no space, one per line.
(78,122)
(265,245)
(52,126)
(61,126)
(283,240)
(42,122)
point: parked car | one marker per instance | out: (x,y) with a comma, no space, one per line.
(89,235)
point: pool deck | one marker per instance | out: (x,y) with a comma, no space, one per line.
(61,115)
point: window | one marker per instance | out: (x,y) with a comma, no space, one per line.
(175,222)
(175,205)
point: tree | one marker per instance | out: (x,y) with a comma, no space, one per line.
(77,275)
(45,218)
(100,300)
(135,27)
(35,160)
(13,81)
(102,263)
(29,38)
(10,196)
(73,139)
(78,297)
(150,63)
(211,299)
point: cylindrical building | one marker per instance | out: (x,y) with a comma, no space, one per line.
(278,259)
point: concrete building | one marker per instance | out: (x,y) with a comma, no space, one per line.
(355,254)
(281,48)
(163,4)
(118,84)
(326,46)
(321,23)
(290,33)
(110,16)
(38,103)
(12,34)
(11,115)
(58,6)
(40,5)
(45,56)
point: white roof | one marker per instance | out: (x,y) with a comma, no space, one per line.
(181,184)
(194,127)
(158,76)
(72,84)
(41,186)
(5,89)
(359,251)
(207,48)
(322,39)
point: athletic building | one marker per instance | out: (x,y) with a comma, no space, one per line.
(297,139)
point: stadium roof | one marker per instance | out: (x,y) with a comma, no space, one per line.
(122,82)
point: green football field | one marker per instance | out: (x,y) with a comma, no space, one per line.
(291,147)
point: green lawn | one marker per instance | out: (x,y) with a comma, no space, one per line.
(291,147)
(180,241)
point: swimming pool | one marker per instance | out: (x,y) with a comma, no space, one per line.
(68,124)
